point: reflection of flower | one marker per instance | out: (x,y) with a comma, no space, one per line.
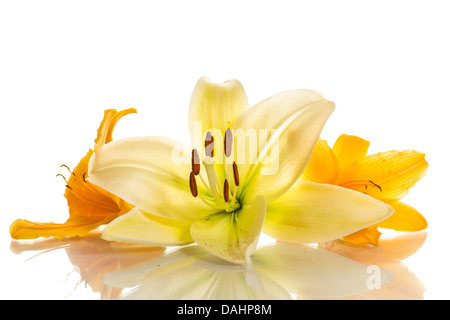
(89,205)
(386,176)
(93,257)
(222,202)
(388,255)
(275,272)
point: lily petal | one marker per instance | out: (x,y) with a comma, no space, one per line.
(323,166)
(369,235)
(141,227)
(405,218)
(311,212)
(216,106)
(287,127)
(349,149)
(151,173)
(394,172)
(231,236)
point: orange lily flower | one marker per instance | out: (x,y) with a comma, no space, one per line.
(386,176)
(89,206)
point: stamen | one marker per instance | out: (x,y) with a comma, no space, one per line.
(360,183)
(59,174)
(376,185)
(209,145)
(235,174)
(233,199)
(226,191)
(195,162)
(84,177)
(63,165)
(193,185)
(227,143)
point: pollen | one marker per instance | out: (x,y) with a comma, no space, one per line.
(193,185)
(227,143)
(209,145)
(195,162)
(226,191)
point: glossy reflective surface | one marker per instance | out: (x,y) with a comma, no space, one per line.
(91,268)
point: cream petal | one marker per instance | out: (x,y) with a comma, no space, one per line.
(316,273)
(141,227)
(312,212)
(214,107)
(231,236)
(151,173)
(274,140)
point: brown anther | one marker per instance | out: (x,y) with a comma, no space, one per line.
(195,162)
(84,177)
(63,165)
(235,174)
(376,185)
(193,185)
(209,145)
(227,142)
(59,174)
(226,191)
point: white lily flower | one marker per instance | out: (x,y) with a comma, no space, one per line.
(244,177)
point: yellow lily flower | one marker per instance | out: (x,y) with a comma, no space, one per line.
(386,176)
(221,192)
(89,206)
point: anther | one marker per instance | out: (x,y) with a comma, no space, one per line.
(195,162)
(63,165)
(84,177)
(376,185)
(193,185)
(235,174)
(227,142)
(59,174)
(226,191)
(209,145)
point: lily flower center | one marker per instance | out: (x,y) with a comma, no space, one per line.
(220,195)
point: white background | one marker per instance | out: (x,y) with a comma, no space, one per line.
(384,63)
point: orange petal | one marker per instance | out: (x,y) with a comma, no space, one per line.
(323,167)
(405,218)
(369,235)
(349,149)
(24,229)
(391,174)
(106,129)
